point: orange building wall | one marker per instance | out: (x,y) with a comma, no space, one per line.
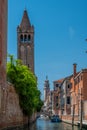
(84,92)
(79,92)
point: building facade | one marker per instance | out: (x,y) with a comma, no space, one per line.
(79,94)
(25,42)
(3,53)
(70,96)
(56,97)
(46,89)
(3,39)
(65,97)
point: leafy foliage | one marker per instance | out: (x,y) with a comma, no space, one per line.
(25,83)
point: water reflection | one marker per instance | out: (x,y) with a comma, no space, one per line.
(47,125)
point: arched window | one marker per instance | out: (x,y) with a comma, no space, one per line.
(29,37)
(21,38)
(25,38)
(68,86)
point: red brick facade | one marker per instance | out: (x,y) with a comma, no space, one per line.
(3,33)
(25,42)
(3,53)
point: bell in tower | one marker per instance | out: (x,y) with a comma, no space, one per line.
(25,42)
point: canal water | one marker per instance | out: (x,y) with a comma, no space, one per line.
(48,125)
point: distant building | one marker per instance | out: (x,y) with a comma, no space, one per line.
(46,89)
(56,96)
(65,96)
(25,41)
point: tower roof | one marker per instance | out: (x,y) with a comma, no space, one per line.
(25,23)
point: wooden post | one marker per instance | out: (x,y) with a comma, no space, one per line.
(81,112)
(81,116)
(73,115)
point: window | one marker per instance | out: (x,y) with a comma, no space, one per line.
(29,37)
(68,100)
(21,38)
(56,97)
(25,38)
(57,85)
(56,104)
(68,86)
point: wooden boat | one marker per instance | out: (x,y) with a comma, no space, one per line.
(55,118)
(43,117)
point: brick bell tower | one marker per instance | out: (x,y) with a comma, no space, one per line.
(25,42)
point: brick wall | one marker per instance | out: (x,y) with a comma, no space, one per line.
(12,114)
(3,55)
(84,92)
(3,36)
(69,118)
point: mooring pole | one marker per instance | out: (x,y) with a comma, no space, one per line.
(73,115)
(81,111)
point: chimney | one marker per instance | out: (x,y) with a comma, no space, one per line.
(74,69)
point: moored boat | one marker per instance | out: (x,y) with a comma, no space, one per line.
(55,118)
(43,117)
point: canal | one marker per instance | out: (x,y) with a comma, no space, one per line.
(48,125)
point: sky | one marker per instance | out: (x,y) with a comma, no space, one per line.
(60,33)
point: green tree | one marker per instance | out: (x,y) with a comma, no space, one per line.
(25,83)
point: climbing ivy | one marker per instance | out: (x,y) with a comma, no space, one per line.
(25,83)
